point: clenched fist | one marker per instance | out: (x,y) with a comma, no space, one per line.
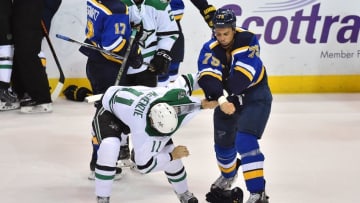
(179,152)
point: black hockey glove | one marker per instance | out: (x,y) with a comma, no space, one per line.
(208,14)
(217,195)
(161,62)
(135,59)
(75,93)
(84,50)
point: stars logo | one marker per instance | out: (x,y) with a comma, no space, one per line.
(145,35)
(114,126)
(181,94)
(161,124)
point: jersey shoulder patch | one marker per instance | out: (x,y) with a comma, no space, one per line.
(157,4)
(174,96)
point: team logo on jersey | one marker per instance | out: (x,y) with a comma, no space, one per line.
(181,94)
(145,35)
(114,126)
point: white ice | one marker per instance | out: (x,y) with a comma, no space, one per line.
(311,144)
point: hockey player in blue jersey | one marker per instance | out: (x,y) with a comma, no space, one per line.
(108,26)
(231,72)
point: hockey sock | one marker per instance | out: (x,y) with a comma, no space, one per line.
(106,166)
(252,161)
(95,147)
(6,62)
(176,175)
(226,159)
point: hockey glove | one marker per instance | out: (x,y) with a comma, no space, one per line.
(217,195)
(135,59)
(208,14)
(161,62)
(76,93)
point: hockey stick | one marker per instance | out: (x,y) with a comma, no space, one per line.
(183,109)
(97,97)
(127,53)
(90,46)
(60,84)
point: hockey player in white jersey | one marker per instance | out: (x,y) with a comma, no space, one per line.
(152,117)
(156,37)
(159,33)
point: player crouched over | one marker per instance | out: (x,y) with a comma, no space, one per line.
(152,115)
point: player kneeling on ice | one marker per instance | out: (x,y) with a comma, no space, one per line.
(152,115)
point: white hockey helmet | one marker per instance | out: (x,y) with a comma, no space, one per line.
(164,117)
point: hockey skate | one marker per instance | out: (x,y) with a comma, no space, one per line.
(103,199)
(8,100)
(30,106)
(124,152)
(260,197)
(124,155)
(187,197)
(223,183)
(118,174)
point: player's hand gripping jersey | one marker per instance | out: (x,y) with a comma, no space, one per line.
(242,72)
(131,105)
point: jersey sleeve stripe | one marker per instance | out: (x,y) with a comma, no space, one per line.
(249,68)
(240,50)
(101,7)
(245,72)
(117,45)
(212,74)
(260,76)
(213,44)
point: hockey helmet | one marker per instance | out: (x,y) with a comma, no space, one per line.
(224,18)
(164,118)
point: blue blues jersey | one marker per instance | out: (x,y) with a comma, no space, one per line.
(234,72)
(177,8)
(108,27)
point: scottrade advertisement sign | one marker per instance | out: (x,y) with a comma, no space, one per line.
(306,45)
